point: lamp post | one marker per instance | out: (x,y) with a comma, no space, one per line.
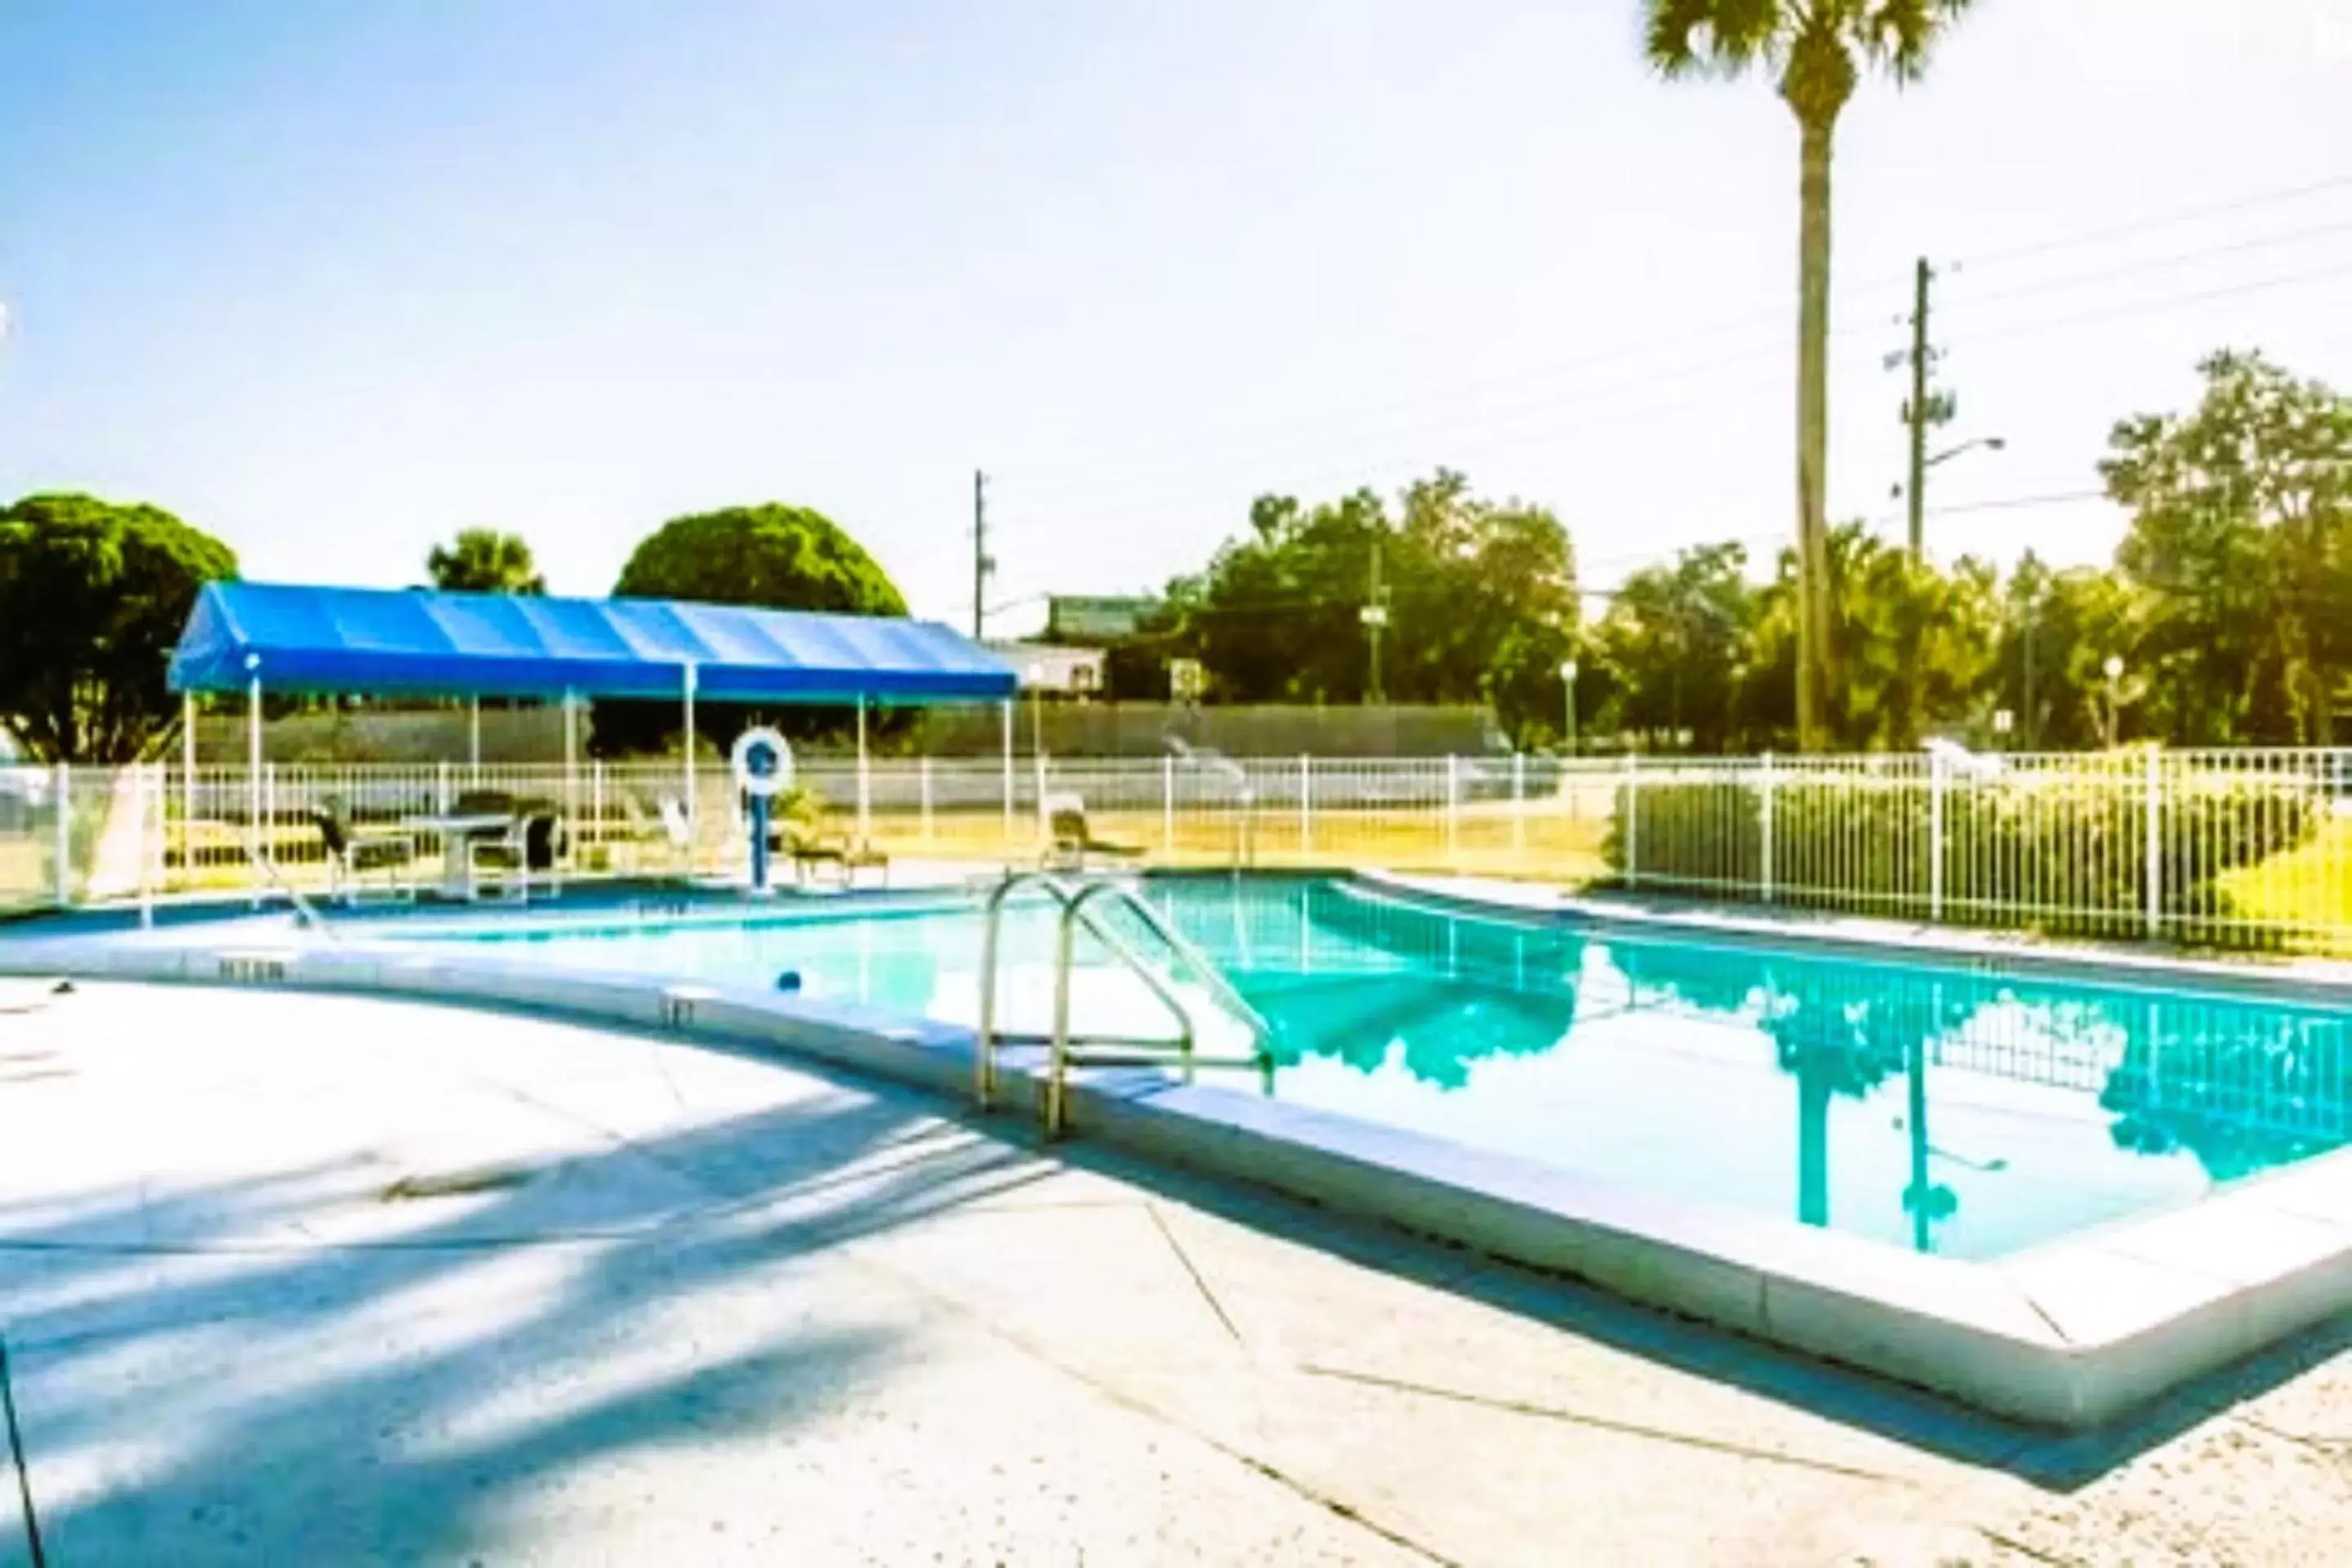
(2114,669)
(1568,689)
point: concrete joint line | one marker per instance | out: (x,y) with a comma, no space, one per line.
(17,1458)
(1601,1422)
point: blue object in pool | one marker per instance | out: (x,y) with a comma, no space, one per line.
(1926,1104)
(790,980)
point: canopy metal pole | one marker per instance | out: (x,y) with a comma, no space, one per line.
(253,775)
(1007,707)
(571,763)
(474,739)
(693,819)
(188,787)
(865,781)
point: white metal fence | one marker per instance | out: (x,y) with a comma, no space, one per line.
(2237,848)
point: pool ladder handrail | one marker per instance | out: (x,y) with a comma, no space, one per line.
(1065,1049)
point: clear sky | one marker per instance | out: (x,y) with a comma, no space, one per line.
(333,280)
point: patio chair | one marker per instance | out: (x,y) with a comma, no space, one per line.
(811,850)
(350,856)
(529,848)
(1071,840)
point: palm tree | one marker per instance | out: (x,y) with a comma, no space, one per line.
(484,561)
(1817,50)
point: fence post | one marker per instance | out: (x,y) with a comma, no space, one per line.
(2154,848)
(1518,804)
(1168,804)
(923,788)
(145,788)
(1452,802)
(441,797)
(1764,815)
(1935,835)
(1632,835)
(1306,806)
(61,836)
(596,795)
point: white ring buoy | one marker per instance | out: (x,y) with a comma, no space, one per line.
(753,781)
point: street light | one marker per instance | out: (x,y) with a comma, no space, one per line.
(1568,686)
(1990,443)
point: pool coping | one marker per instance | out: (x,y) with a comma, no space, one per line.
(2071,1335)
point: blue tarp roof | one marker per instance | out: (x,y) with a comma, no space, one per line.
(415,641)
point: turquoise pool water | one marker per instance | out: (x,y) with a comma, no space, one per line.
(1927,1105)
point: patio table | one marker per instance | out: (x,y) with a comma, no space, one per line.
(458,830)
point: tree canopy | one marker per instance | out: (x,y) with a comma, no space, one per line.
(93,596)
(1480,595)
(782,557)
(484,561)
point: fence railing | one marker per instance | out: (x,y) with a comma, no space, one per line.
(2225,849)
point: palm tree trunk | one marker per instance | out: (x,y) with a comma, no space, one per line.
(1814,437)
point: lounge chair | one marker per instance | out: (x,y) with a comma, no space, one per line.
(1073,840)
(811,850)
(350,856)
(509,864)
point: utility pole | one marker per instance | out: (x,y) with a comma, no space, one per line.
(1375,616)
(980,563)
(1919,411)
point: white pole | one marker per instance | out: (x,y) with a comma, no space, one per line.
(1453,803)
(1519,803)
(188,789)
(1936,836)
(1037,751)
(143,790)
(1007,707)
(61,832)
(1766,813)
(1168,804)
(570,763)
(1306,806)
(864,777)
(923,779)
(474,737)
(253,780)
(1632,819)
(693,820)
(2155,848)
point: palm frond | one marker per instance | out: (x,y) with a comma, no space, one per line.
(1723,38)
(1899,35)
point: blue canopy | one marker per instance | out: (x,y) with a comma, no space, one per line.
(418,642)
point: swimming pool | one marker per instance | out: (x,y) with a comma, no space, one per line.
(1934,1105)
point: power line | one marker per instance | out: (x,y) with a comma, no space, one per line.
(2018,503)
(2166,220)
(2155,264)
(2140,307)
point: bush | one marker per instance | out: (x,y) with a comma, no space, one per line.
(2059,851)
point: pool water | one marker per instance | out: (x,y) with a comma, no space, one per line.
(1930,1105)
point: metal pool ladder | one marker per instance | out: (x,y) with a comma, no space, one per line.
(1075,899)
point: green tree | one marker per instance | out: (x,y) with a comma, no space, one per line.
(1475,589)
(1914,645)
(782,557)
(93,596)
(484,561)
(2057,631)
(1675,646)
(2240,545)
(1815,50)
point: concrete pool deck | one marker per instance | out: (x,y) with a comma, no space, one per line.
(303,1277)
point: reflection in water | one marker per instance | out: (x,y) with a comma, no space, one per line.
(2240,1085)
